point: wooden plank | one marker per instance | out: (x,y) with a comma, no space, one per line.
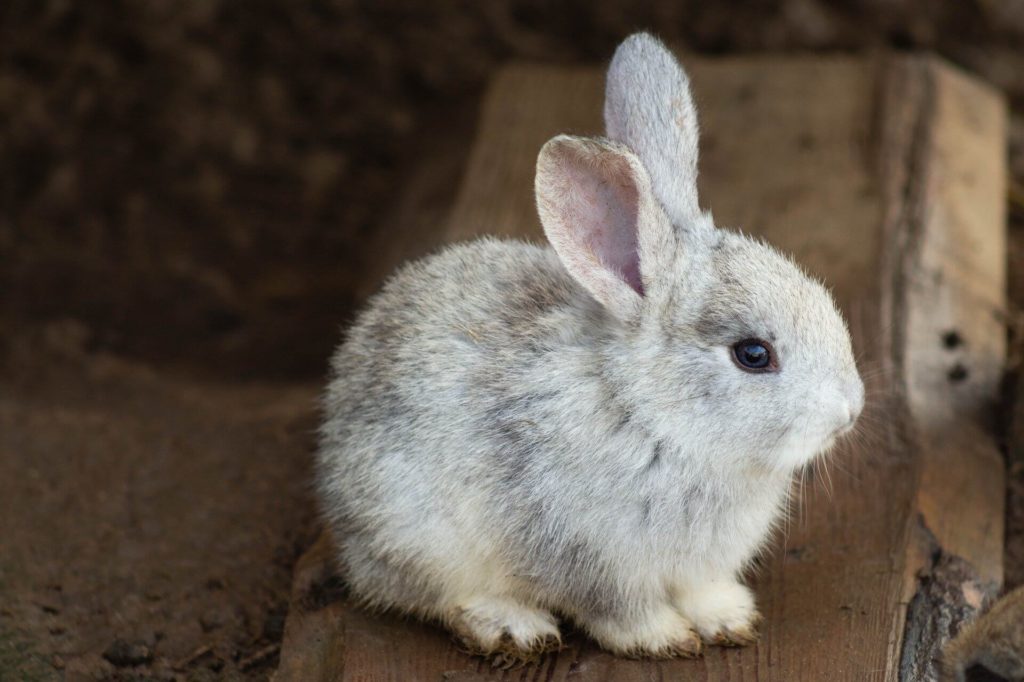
(883,177)
(951,338)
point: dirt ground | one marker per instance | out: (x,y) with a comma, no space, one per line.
(192,200)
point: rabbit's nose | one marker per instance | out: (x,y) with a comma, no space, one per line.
(846,419)
(855,398)
(850,410)
(851,419)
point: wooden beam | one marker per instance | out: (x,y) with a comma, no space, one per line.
(885,178)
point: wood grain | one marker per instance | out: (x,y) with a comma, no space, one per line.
(885,178)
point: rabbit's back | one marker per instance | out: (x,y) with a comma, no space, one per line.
(475,314)
(424,389)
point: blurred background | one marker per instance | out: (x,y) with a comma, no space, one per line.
(192,195)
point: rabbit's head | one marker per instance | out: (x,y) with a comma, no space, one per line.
(723,343)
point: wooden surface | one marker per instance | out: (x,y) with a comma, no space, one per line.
(885,178)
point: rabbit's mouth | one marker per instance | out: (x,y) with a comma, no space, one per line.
(842,431)
(836,436)
(847,426)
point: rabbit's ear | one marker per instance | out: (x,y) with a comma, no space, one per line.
(648,108)
(595,203)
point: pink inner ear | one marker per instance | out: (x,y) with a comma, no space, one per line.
(608,218)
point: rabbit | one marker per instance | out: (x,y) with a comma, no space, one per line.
(603,430)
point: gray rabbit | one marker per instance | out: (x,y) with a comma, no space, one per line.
(605,430)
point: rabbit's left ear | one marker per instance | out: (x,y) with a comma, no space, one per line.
(595,203)
(648,108)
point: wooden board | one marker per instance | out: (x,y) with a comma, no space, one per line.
(886,178)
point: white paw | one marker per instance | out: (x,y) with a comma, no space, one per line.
(660,632)
(722,612)
(497,625)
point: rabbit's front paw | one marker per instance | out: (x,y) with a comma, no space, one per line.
(723,613)
(508,631)
(659,632)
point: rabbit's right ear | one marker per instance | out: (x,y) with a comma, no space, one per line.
(648,108)
(599,213)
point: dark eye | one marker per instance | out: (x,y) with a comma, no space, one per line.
(754,355)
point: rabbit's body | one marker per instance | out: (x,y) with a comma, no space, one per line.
(459,476)
(514,431)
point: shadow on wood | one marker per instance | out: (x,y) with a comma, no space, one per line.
(886,179)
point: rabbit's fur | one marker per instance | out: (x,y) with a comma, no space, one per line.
(514,431)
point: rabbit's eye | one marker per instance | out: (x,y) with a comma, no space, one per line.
(754,355)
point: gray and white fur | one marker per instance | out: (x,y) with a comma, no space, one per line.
(515,431)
